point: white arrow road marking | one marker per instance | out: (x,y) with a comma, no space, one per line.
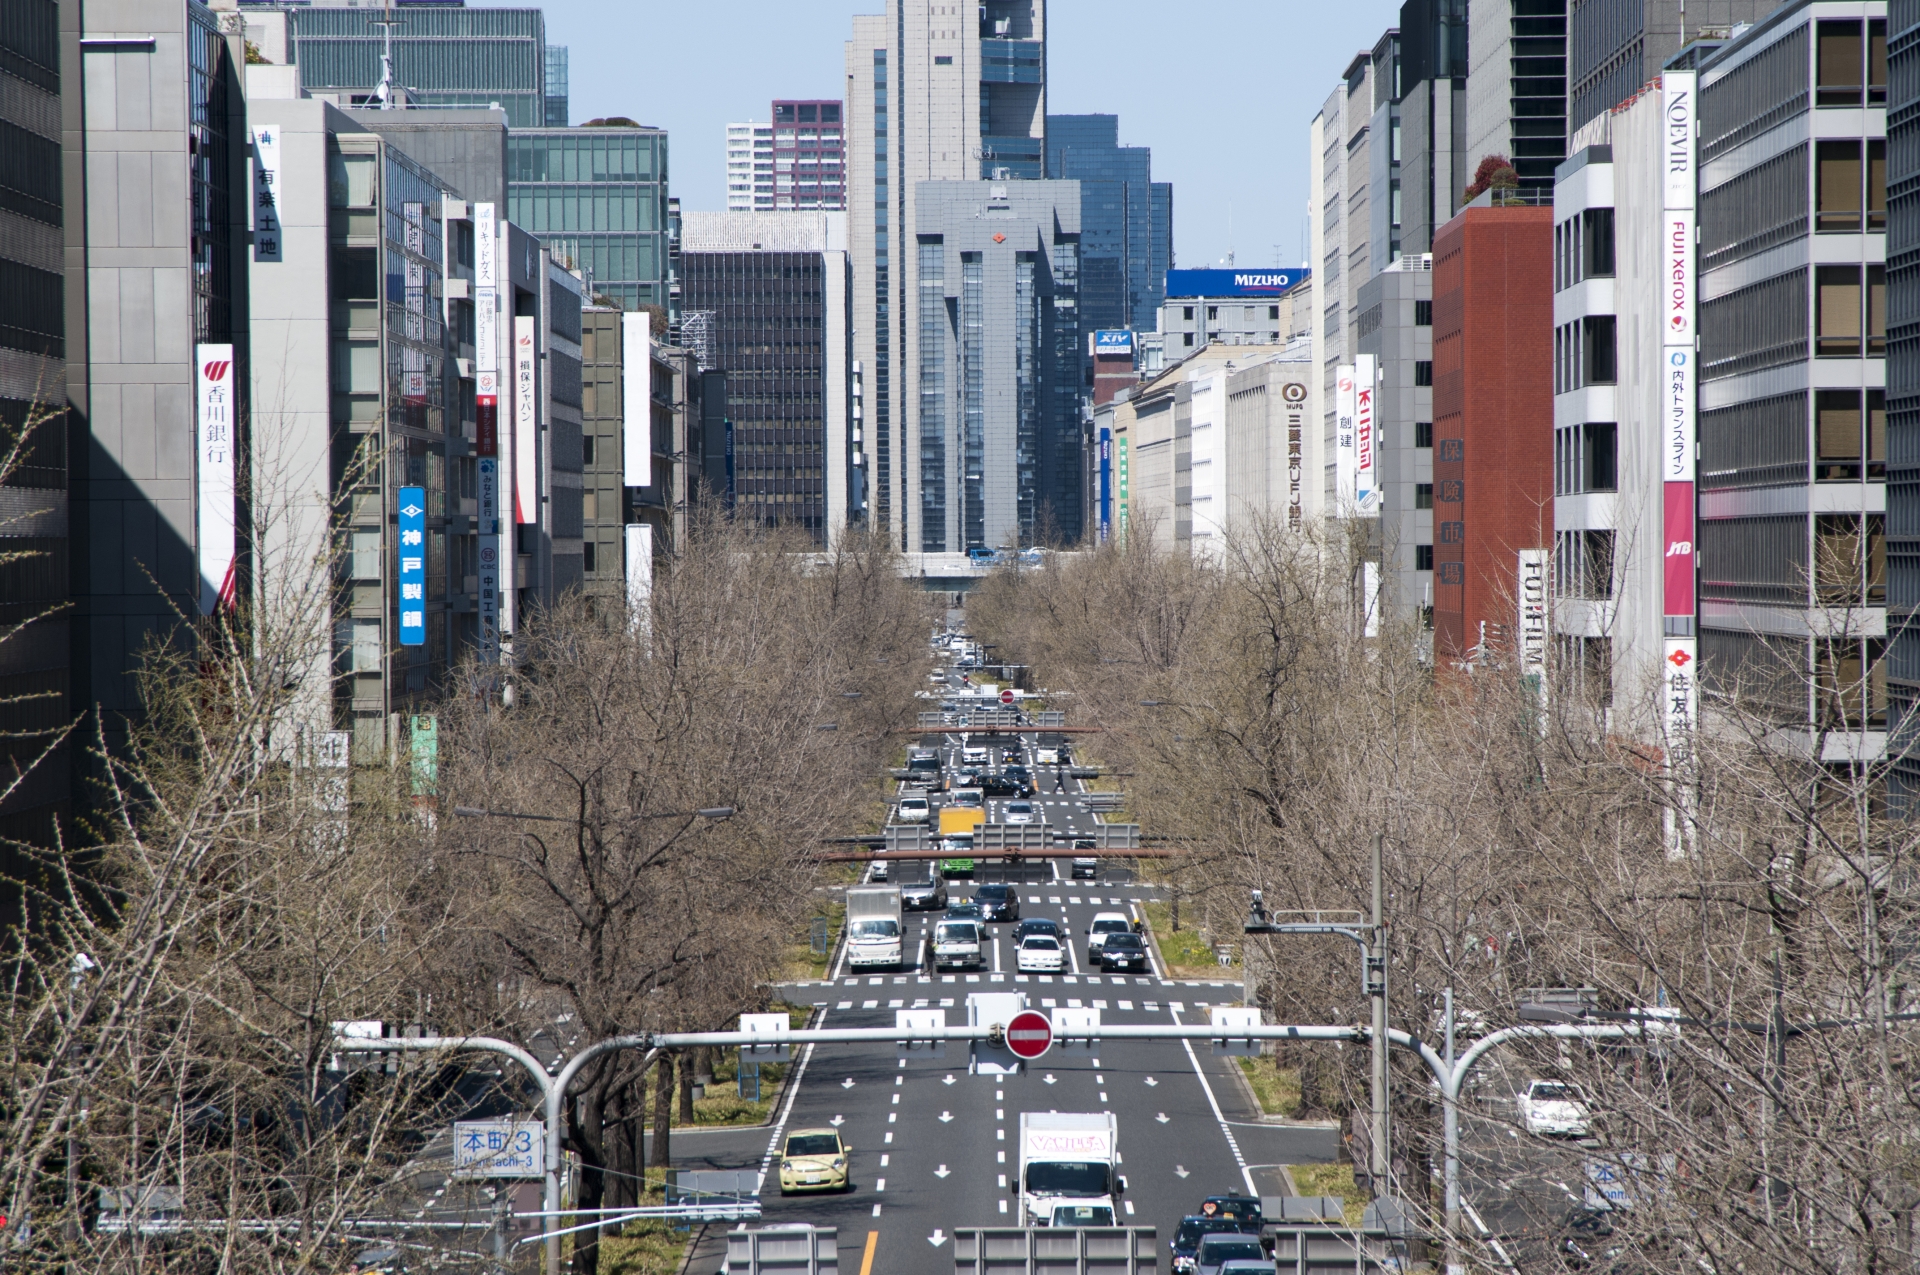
(938,1237)
(1151,1081)
(945,1116)
(948,1080)
(847,1083)
(940,1172)
(1049,1078)
(837,1121)
(1180,1170)
(1162,1117)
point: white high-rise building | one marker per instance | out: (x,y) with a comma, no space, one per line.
(750,167)
(935,92)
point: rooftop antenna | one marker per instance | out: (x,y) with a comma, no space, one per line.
(1230,262)
(386,90)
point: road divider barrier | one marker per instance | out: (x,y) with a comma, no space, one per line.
(1054,1250)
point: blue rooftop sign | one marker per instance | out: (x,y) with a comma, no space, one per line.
(1233,283)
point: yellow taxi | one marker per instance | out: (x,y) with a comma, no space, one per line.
(815,1160)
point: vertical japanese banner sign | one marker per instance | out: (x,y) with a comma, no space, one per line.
(1106,484)
(267,244)
(1366,493)
(411,579)
(1679,378)
(214,444)
(1344,490)
(1294,395)
(636,400)
(1124,492)
(526,426)
(486,427)
(413,359)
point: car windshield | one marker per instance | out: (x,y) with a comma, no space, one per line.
(1040,943)
(1019,807)
(964,910)
(1552,1093)
(992,893)
(1235,1206)
(1192,1228)
(1083,1215)
(877,928)
(1111,926)
(1057,1178)
(1123,943)
(813,1144)
(955,932)
(1220,1248)
(914,803)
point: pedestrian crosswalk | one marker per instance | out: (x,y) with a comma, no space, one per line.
(1108,980)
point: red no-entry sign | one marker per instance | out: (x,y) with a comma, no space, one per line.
(1030,1034)
(1006,697)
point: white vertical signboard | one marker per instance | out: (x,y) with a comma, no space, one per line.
(493,574)
(1345,461)
(1366,491)
(1680,694)
(636,400)
(214,446)
(1531,627)
(526,424)
(267,243)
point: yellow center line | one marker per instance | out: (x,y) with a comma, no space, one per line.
(866,1260)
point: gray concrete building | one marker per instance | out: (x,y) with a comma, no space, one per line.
(935,93)
(995,342)
(1517,87)
(1396,328)
(1433,118)
(1615,46)
(1340,142)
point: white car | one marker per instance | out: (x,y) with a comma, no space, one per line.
(974,755)
(1040,954)
(1105,923)
(1018,812)
(1552,1109)
(1046,756)
(914,810)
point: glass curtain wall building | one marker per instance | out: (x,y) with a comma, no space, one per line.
(1126,220)
(442,56)
(597,199)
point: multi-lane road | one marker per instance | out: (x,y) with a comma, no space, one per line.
(936,1147)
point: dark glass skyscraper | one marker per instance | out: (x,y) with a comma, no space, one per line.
(1126,220)
(597,198)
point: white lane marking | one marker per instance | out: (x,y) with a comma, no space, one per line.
(1477,1221)
(876,1210)
(1226,1131)
(947,1003)
(895,1004)
(780,1125)
(999,1157)
(996,954)
(1000,1135)
(869,1004)
(1103,1097)
(1073,956)
(1033,898)
(941,1172)
(883,1161)
(844,1005)
(1052,898)
(1074,1004)
(889,1139)
(896,1100)
(1129,1208)
(1125,1004)
(879,1184)
(1003,1181)
(892,1116)
(1003,1203)
(1099,1004)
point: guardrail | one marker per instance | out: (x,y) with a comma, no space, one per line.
(1055,1250)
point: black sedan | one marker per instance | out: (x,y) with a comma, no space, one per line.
(1021,777)
(1036,925)
(998,902)
(997,783)
(1123,952)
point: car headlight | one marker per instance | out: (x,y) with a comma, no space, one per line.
(839,1164)
(786,1166)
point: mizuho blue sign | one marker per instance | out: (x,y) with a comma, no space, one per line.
(1233,283)
(413,566)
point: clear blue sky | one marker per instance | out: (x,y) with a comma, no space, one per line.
(1222,90)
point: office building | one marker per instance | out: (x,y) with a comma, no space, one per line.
(1517,87)
(750,167)
(1615,47)
(809,156)
(1903,397)
(1126,220)
(935,93)
(1492,390)
(155,251)
(765,299)
(442,55)
(1228,307)
(596,197)
(1340,141)
(1433,118)
(1793,493)
(996,345)
(35,661)
(1396,332)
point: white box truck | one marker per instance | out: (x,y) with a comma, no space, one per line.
(873,926)
(1070,1168)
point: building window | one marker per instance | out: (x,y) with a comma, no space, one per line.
(1273,313)
(589,556)
(1841,188)
(1850,66)
(1598,355)
(1213,312)
(1848,568)
(1423,495)
(1186,312)
(1423,557)
(1596,242)
(1583,564)
(1845,440)
(1840,310)
(1852,676)
(1186,339)
(1423,433)
(1423,314)
(1423,372)
(1599,456)
(945,59)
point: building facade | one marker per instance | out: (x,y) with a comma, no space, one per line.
(1228,307)
(1903,396)
(809,156)
(1492,391)
(750,167)
(1433,118)
(766,302)
(1396,333)
(1793,607)
(1126,220)
(596,197)
(1615,47)
(1517,87)
(935,93)
(35,657)
(1340,141)
(996,345)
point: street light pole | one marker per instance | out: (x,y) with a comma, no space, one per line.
(1380,1162)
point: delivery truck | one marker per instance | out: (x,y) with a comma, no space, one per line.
(1069,1168)
(873,927)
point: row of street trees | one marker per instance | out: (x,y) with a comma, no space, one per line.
(167,1036)
(1527,848)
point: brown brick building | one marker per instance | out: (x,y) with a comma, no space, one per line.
(1492,419)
